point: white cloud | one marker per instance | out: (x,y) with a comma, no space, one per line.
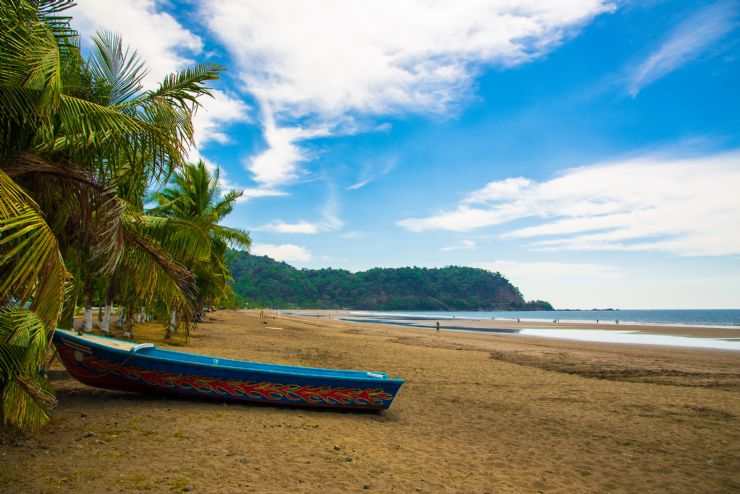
(335,56)
(164,43)
(257,192)
(283,252)
(326,64)
(299,227)
(462,219)
(684,206)
(217,112)
(547,271)
(278,164)
(463,245)
(509,188)
(227,185)
(689,39)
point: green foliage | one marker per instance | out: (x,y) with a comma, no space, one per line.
(26,396)
(193,195)
(265,282)
(80,144)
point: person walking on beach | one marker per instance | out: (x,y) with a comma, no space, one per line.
(437,325)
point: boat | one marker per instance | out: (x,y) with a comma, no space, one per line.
(109,363)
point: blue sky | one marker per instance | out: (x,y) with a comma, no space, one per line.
(587,149)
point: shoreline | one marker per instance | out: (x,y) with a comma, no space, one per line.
(714,332)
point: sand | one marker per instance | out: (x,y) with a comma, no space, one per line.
(478,413)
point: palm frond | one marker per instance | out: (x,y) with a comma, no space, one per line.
(104,208)
(183,88)
(24,390)
(122,69)
(31,266)
(234,237)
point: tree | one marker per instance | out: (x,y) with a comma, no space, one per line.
(194,196)
(80,143)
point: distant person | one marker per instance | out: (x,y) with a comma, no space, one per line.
(517,319)
(437,325)
(617,321)
(597,321)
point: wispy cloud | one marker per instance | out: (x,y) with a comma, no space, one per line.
(330,220)
(686,42)
(683,206)
(462,245)
(282,252)
(374,170)
(322,66)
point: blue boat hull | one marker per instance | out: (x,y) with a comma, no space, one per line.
(114,364)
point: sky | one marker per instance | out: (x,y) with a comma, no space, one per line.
(589,150)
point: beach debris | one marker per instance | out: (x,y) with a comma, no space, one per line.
(347,459)
(336,447)
(90,434)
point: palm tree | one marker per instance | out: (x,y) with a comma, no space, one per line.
(74,135)
(194,196)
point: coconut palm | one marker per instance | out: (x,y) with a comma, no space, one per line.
(194,195)
(74,134)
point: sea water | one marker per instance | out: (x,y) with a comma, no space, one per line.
(698,318)
(661,317)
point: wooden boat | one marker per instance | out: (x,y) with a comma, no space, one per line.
(115,364)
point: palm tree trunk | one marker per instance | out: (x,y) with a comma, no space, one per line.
(172,325)
(87,321)
(141,316)
(129,333)
(121,318)
(105,324)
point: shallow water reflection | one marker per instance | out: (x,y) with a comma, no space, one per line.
(615,336)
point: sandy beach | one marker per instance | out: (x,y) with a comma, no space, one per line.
(478,413)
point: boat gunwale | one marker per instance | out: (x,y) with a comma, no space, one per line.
(385,379)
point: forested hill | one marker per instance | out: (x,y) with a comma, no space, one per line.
(264,282)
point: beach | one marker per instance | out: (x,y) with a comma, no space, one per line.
(479,412)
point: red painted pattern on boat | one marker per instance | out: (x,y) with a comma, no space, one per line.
(102,373)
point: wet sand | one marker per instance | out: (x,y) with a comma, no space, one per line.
(478,413)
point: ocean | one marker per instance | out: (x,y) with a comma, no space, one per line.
(671,317)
